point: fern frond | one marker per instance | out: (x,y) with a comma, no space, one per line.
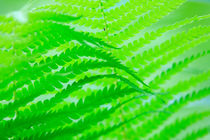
(197,134)
(147,20)
(80,3)
(155,104)
(175,42)
(52,63)
(184,85)
(25,118)
(149,36)
(52,16)
(167,131)
(176,67)
(69,71)
(35,92)
(153,66)
(75,128)
(78,69)
(158,120)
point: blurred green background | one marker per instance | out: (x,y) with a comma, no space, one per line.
(190,8)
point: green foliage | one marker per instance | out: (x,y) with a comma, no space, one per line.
(104,69)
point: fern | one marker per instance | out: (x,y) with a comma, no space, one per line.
(104,69)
